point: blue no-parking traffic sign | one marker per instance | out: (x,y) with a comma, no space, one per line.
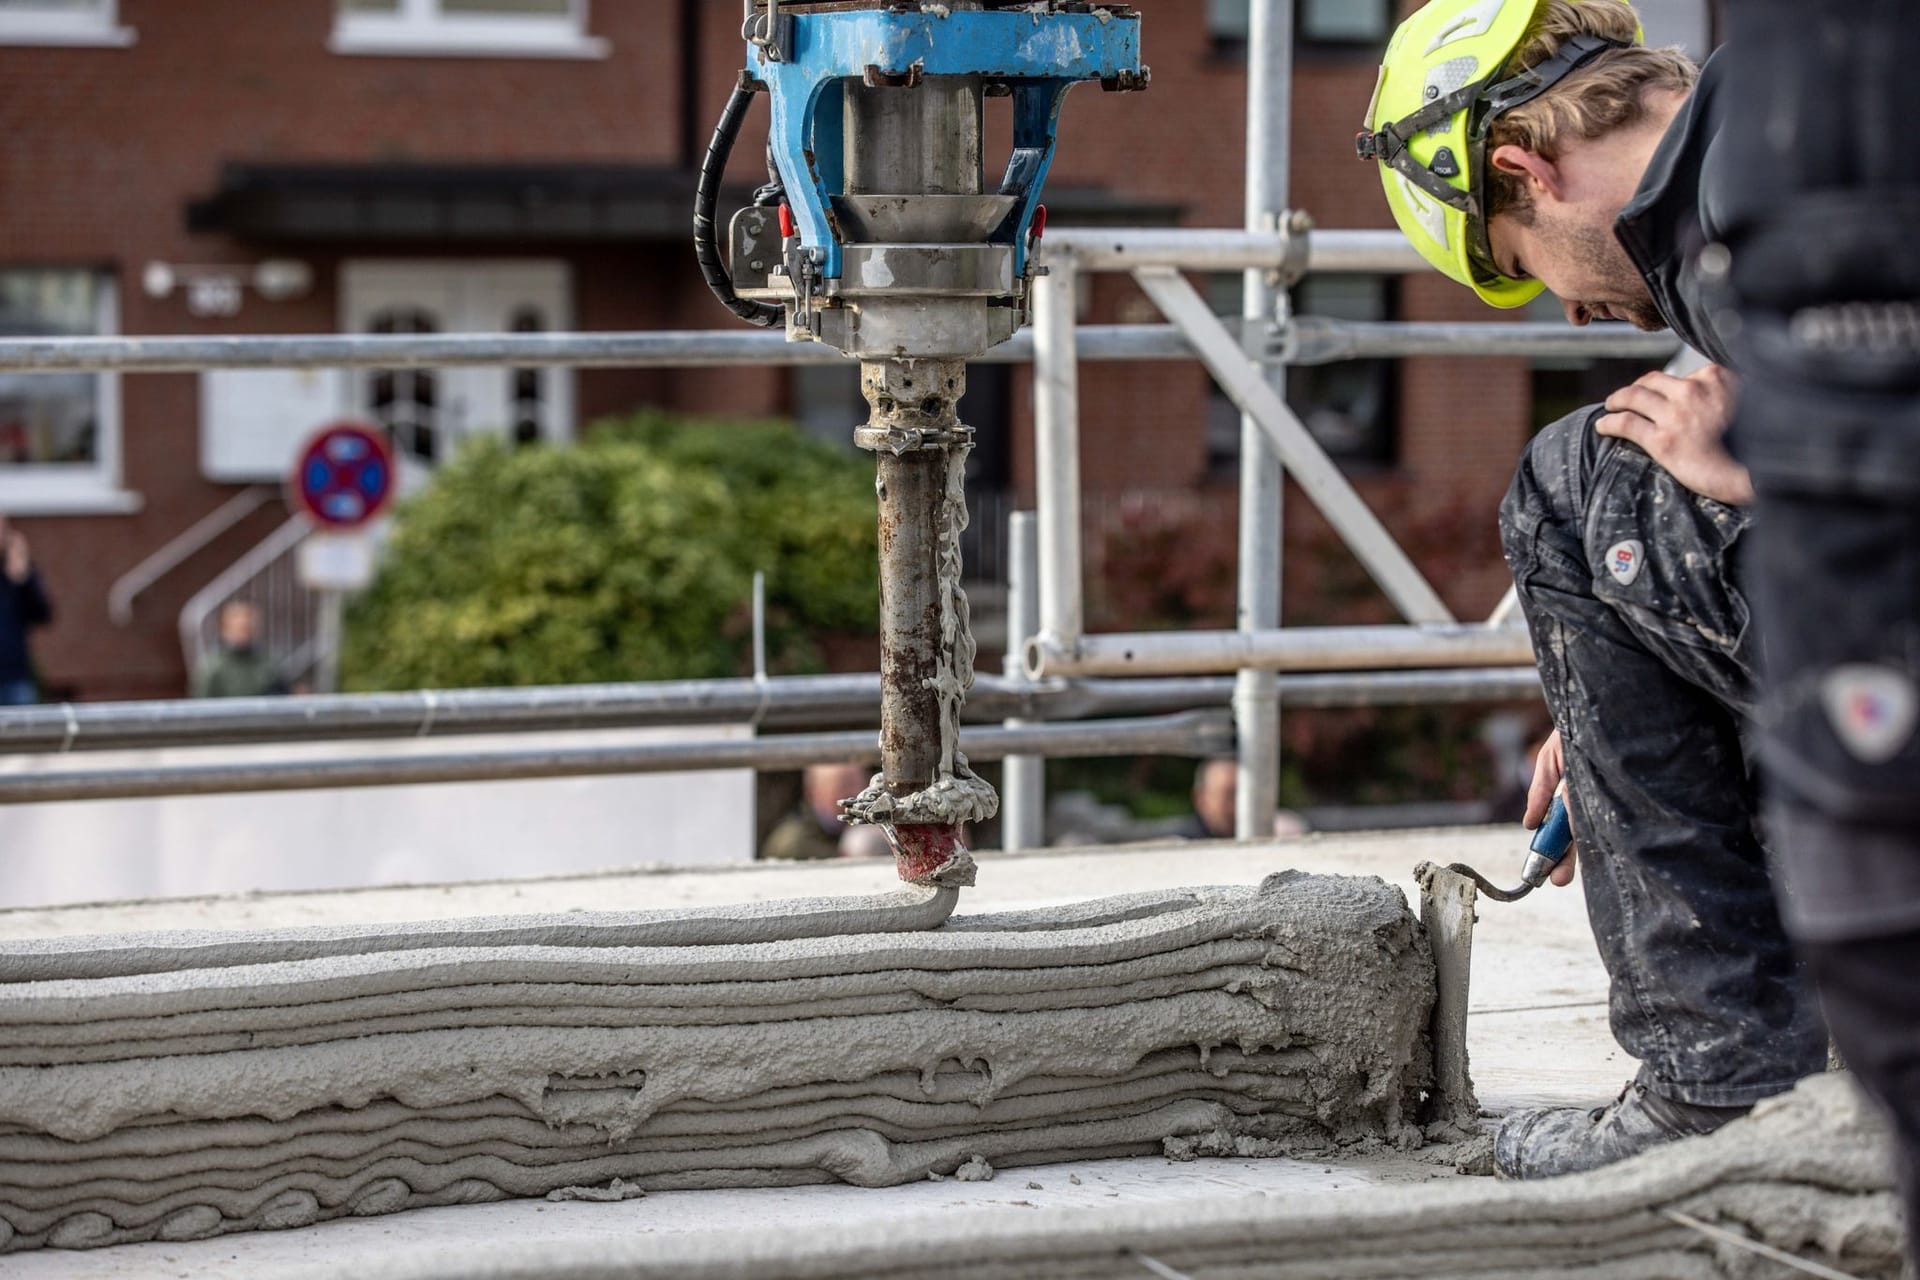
(344,476)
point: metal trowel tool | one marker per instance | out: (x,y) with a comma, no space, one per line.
(1446,911)
(1551,840)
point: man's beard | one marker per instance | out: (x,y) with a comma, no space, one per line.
(1643,316)
(1621,293)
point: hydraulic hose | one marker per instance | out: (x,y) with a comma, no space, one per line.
(706,235)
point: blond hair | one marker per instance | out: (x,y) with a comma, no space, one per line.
(1608,93)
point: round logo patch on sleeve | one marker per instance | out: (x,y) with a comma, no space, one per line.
(1871,707)
(1624,560)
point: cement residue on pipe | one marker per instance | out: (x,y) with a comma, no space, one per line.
(901,425)
(189,1102)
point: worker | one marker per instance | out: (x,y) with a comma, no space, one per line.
(23,607)
(1829,423)
(815,829)
(238,668)
(1215,788)
(1539,144)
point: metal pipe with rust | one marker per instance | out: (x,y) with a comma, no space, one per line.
(924,793)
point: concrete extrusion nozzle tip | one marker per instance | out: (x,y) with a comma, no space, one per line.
(931,854)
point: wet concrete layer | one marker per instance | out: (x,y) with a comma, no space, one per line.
(1808,1174)
(164,1102)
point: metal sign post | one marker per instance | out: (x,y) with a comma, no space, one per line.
(343,479)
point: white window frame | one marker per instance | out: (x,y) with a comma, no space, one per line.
(422,28)
(80,489)
(97,27)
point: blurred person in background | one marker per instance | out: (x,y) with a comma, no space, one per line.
(814,829)
(1215,790)
(238,668)
(23,606)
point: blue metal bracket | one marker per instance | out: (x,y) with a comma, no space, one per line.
(1039,55)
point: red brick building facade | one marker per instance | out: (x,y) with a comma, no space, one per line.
(444,164)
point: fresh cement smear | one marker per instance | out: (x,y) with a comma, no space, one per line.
(286,1079)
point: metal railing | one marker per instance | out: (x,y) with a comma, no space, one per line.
(179,549)
(1184,716)
(1193,733)
(1315,339)
(778,702)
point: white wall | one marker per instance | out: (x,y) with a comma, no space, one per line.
(116,849)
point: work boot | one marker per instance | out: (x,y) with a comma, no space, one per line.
(1550,1141)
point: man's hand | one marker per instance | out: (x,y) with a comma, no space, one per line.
(1681,423)
(1549,766)
(19,558)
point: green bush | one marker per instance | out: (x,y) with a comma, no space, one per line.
(629,556)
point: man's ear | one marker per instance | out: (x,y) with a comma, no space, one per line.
(1539,173)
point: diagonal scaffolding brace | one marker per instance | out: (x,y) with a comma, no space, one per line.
(1246,385)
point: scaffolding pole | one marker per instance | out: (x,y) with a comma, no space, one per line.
(1284,649)
(1023,779)
(1305,340)
(1192,733)
(1256,709)
(1056,454)
(781,701)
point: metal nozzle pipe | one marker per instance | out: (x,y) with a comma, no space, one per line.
(909,487)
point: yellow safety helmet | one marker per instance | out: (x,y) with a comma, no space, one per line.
(1441,86)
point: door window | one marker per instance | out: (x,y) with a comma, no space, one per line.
(526,388)
(430,411)
(406,401)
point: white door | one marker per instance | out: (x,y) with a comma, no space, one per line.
(430,411)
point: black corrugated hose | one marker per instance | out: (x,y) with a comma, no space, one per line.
(706,237)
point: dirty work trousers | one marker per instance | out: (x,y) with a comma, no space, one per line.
(1640,631)
(1820,206)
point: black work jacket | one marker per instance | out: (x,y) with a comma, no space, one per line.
(1670,216)
(23,606)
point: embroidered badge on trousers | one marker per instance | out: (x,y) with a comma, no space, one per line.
(1872,709)
(1624,560)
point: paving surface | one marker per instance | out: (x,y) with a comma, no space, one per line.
(1537,1034)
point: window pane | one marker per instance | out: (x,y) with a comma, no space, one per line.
(1358,21)
(406,401)
(509,8)
(1349,405)
(370,6)
(49,417)
(53,6)
(827,402)
(1227,19)
(525,389)
(1224,293)
(1343,297)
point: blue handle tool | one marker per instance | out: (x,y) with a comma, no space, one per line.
(1551,840)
